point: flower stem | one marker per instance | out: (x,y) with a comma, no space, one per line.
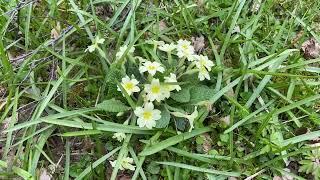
(169,58)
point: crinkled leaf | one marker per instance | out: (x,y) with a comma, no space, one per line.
(182,96)
(113,105)
(165,118)
(201,93)
(114,74)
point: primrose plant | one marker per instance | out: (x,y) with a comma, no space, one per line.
(159,78)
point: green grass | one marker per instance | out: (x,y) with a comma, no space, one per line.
(258,115)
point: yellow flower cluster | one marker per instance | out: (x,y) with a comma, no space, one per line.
(155,90)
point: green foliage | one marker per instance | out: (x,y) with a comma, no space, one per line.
(201,93)
(113,105)
(183,95)
(258,115)
(311,163)
(165,118)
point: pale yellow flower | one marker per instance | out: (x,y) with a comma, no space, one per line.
(122,50)
(95,44)
(130,85)
(119,136)
(185,49)
(204,65)
(191,117)
(147,116)
(151,67)
(156,91)
(167,47)
(126,163)
(172,79)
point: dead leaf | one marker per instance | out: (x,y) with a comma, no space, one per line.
(225,120)
(124,177)
(162,25)
(2,103)
(4,126)
(207,144)
(55,32)
(311,49)
(44,175)
(256,6)
(277,178)
(200,3)
(198,43)
(104,11)
(296,39)
(316,27)
(232,178)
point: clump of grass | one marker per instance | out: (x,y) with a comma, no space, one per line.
(71,109)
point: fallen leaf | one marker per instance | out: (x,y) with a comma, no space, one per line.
(124,177)
(198,43)
(232,178)
(2,103)
(256,6)
(200,3)
(207,144)
(277,178)
(225,120)
(297,38)
(311,49)
(55,32)
(162,25)
(104,11)
(316,27)
(44,175)
(4,126)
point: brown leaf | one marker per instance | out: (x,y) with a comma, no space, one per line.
(4,126)
(55,32)
(104,11)
(277,178)
(311,49)
(225,120)
(162,25)
(232,178)
(44,175)
(297,38)
(124,177)
(198,43)
(207,144)
(200,3)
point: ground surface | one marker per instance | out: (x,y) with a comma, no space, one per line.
(257,117)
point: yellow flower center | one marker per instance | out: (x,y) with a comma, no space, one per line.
(202,62)
(129,86)
(147,115)
(184,46)
(203,70)
(151,68)
(155,89)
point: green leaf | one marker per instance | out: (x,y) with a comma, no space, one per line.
(20,172)
(201,93)
(182,96)
(97,163)
(165,118)
(115,74)
(153,168)
(301,138)
(113,105)
(172,141)
(199,169)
